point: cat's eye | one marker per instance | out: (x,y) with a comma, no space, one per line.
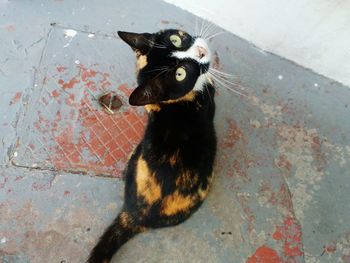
(176,40)
(180,74)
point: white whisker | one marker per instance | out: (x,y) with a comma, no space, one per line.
(215,35)
(207,29)
(225,85)
(210,30)
(196,27)
(222,73)
(202,28)
(229,82)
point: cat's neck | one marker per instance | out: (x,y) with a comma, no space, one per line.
(157,107)
(193,103)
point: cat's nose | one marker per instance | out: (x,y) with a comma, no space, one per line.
(202,52)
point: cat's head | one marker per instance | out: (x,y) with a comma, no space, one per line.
(171,64)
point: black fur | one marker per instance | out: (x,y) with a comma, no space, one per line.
(174,160)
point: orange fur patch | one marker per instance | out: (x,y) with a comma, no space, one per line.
(141,62)
(156,107)
(147,185)
(186,180)
(152,107)
(204,192)
(125,219)
(188,97)
(175,203)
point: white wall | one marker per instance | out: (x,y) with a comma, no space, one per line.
(313,33)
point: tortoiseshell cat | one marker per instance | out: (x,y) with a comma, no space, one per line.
(168,175)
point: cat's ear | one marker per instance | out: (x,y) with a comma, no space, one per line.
(138,42)
(147,93)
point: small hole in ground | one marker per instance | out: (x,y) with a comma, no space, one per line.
(110,102)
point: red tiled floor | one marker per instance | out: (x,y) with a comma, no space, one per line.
(69,130)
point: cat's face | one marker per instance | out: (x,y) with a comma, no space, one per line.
(170,65)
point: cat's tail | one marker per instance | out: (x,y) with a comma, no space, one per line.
(118,233)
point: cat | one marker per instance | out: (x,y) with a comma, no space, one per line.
(170,172)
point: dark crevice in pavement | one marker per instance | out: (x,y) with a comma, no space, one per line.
(60,171)
(56,172)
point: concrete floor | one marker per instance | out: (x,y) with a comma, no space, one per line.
(281,191)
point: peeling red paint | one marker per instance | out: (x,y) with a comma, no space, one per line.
(249,215)
(68,85)
(70,100)
(55,93)
(216,60)
(290,233)
(285,198)
(44,101)
(317,153)
(86,137)
(235,138)
(41,186)
(264,254)
(240,168)
(280,198)
(234,134)
(18,178)
(284,163)
(330,248)
(42,124)
(86,74)
(61,68)
(16,98)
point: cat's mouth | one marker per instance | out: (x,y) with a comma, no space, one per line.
(199,52)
